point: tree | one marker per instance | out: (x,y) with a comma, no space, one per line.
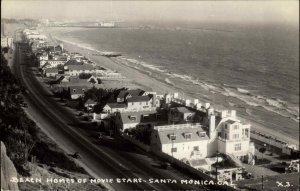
(84,76)
(60,67)
(5,50)
(262,150)
(92,80)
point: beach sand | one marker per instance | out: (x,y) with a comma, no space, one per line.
(270,123)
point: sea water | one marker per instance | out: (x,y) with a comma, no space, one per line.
(257,64)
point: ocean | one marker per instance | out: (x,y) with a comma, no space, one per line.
(254,66)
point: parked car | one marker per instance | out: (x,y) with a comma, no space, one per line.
(76,155)
(24,105)
(165,165)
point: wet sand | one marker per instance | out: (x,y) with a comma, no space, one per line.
(271,124)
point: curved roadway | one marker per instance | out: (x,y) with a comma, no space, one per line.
(107,159)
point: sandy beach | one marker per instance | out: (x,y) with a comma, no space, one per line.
(277,126)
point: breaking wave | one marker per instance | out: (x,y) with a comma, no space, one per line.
(275,105)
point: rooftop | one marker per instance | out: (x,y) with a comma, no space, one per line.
(231,121)
(139,99)
(90,101)
(182,110)
(133,93)
(73,62)
(51,70)
(81,67)
(116,105)
(77,89)
(195,133)
(143,117)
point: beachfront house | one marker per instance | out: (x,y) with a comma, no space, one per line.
(61,60)
(50,72)
(226,133)
(125,94)
(234,138)
(180,115)
(89,104)
(77,91)
(139,103)
(72,62)
(110,108)
(75,70)
(181,141)
(43,58)
(147,119)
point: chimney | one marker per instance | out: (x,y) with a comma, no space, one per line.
(207,105)
(196,101)
(168,98)
(223,114)
(233,113)
(62,47)
(198,106)
(210,111)
(187,102)
(175,95)
(212,125)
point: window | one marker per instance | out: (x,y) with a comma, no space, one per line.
(226,136)
(236,127)
(145,116)
(174,150)
(146,103)
(132,103)
(173,137)
(226,126)
(202,134)
(247,132)
(132,118)
(196,148)
(140,103)
(238,147)
(188,135)
(235,136)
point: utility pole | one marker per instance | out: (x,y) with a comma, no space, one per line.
(172,148)
(262,182)
(217,166)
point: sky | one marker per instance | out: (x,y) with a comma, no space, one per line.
(238,11)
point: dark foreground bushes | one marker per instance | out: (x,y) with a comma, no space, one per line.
(19,133)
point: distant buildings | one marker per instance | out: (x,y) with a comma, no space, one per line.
(6,42)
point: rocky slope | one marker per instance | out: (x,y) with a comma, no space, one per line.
(8,171)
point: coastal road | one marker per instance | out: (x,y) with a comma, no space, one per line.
(106,159)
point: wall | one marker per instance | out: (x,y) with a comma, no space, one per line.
(137,143)
(229,147)
(185,150)
(139,105)
(267,139)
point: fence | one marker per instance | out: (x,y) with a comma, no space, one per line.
(137,143)
(268,139)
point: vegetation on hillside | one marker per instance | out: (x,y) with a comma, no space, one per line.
(19,133)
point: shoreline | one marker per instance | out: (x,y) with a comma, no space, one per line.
(161,85)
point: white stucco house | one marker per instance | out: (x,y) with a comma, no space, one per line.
(181,141)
